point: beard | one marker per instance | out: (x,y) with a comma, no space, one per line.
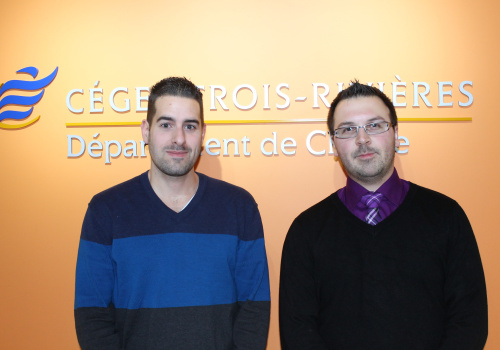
(368,170)
(173,167)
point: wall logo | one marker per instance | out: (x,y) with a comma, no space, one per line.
(22,100)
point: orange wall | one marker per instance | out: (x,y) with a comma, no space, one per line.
(133,44)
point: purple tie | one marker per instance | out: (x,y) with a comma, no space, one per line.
(372,200)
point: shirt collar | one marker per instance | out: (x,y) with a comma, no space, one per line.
(391,189)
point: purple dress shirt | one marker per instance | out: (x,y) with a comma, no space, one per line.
(394,191)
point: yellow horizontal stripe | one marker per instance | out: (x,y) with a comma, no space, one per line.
(465,119)
(74,125)
(275,121)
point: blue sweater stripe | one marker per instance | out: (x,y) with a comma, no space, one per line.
(94,275)
(199,266)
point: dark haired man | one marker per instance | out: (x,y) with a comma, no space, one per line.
(381,264)
(172,259)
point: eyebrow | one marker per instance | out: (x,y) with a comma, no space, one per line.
(377,118)
(166,118)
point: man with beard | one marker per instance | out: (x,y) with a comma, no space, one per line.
(381,264)
(172,259)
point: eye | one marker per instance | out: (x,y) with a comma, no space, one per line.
(374,126)
(165,125)
(190,127)
(344,130)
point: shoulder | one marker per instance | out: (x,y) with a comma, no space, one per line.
(314,220)
(441,211)
(229,209)
(122,191)
(223,190)
(310,225)
(320,210)
(431,198)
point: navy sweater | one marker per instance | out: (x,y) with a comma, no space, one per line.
(412,282)
(149,278)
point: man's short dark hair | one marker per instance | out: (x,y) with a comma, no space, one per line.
(174,86)
(360,90)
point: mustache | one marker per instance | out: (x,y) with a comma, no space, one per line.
(362,150)
(177,148)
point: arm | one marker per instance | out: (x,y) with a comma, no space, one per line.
(298,304)
(465,290)
(94,312)
(251,325)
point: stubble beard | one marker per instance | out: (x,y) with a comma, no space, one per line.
(369,171)
(173,167)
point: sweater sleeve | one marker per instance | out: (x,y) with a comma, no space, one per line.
(298,303)
(465,290)
(94,311)
(251,324)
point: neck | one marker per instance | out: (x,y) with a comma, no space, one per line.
(174,191)
(374,183)
(369,186)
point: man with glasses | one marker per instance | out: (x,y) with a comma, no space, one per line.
(381,264)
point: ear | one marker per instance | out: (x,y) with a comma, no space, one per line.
(396,145)
(332,140)
(204,129)
(145,131)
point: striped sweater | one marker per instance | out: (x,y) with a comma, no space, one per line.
(149,278)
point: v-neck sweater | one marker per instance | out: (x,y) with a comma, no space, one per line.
(414,281)
(149,278)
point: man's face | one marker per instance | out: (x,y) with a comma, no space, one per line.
(175,135)
(367,159)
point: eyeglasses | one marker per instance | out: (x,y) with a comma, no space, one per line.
(347,132)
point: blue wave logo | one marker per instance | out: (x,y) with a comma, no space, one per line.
(24,101)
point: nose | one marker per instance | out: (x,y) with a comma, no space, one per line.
(179,137)
(362,137)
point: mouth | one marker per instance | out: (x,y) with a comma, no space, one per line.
(177,153)
(366,155)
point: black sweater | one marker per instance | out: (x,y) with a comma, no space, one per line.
(413,282)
